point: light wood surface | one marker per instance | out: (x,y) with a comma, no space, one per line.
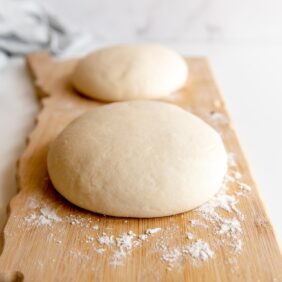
(30,253)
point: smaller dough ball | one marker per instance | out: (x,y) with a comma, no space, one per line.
(137,159)
(130,72)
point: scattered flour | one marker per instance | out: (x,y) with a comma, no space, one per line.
(46,216)
(100,250)
(51,237)
(153,231)
(189,235)
(89,239)
(230,227)
(31,218)
(105,239)
(199,250)
(236,175)
(220,216)
(220,201)
(232,162)
(172,257)
(79,221)
(219,118)
(244,187)
(74,221)
(238,246)
(125,240)
(79,255)
(125,243)
(33,203)
(143,237)
(50,214)
(117,258)
(196,222)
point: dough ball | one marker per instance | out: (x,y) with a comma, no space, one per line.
(137,159)
(128,72)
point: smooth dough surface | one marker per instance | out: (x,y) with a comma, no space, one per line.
(130,72)
(137,159)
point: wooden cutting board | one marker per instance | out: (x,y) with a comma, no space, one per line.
(49,239)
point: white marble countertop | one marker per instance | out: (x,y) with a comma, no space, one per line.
(247,69)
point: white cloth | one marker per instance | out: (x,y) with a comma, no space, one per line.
(25,26)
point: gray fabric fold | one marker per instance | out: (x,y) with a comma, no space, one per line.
(25,27)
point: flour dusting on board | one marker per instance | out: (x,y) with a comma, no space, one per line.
(45,216)
(105,240)
(199,250)
(220,218)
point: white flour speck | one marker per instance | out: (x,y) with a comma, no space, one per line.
(117,258)
(238,245)
(232,162)
(219,118)
(171,257)
(50,214)
(231,227)
(30,218)
(33,203)
(46,216)
(244,187)
(125,240)
(79,255)
(199,250)
(196,222)
(125,243)
(153,230)
(89,239)
(100,250)
(105,239)
(189,235)
(143,237)
(74,221)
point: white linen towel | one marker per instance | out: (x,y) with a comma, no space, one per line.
(25,26)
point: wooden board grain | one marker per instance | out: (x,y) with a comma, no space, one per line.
(62,251)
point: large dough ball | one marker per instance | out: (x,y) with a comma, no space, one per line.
(137,159)
(128,72)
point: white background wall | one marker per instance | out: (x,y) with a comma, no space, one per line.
(178,20)
(243,40)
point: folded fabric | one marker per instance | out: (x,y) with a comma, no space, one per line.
(25,27)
